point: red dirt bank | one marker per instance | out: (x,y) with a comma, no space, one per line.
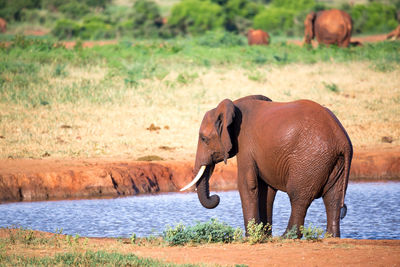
(45,179)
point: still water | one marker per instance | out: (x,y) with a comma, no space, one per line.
(373,213)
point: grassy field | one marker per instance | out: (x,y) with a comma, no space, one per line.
(146,98)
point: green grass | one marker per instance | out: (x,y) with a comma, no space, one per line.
(29,68)
(88,258)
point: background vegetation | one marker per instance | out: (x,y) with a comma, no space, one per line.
(108,19)
(103,101)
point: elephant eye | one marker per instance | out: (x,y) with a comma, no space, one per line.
(204,139)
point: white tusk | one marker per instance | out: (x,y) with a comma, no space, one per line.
(196,179)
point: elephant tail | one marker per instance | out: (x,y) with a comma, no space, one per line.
(348,155)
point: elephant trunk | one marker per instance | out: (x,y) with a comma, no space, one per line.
(203,189)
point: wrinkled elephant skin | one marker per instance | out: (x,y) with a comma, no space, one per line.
(297,147)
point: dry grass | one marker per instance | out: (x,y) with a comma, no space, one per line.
(367,103)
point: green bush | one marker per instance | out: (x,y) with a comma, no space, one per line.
(312,233)
(239,14)
(66,29)
(196,17)
(294,4)
(220,39)
(374,17)
(11,9)
(275,20)
(96,27)
(212,231)
(146,19)
(258,232)
(74,9)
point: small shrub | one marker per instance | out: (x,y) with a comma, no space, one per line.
(212,231)
(196,17)
(258,232)
(74,9)
(66,29)
(311,233)
(133,238)
(220,39)
(331,87)
(292,233)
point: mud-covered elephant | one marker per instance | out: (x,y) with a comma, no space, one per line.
(298,147)
(328,27)
(257,37)
(3,25)
(395,34)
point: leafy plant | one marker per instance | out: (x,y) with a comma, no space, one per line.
(212,231)
(196,17)
(311,233)
(292,233)
(258,232)
(331,87)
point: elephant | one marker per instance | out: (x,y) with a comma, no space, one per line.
(3,25)
(395,34)
(257,37)
(328,27)
(296,147)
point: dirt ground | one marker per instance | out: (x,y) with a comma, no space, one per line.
(331,252)
(328,252)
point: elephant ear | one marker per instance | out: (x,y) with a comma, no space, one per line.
(225,114)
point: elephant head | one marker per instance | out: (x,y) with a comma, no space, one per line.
(214,145)
(309,32)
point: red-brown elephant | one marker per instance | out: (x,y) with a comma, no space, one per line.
(395,34)
(3,25)
(328,27)
(257,37)
(297,147)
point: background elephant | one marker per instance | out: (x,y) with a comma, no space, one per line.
(395,34)
(257,37)
(297,147)
(3,25)
(328,27)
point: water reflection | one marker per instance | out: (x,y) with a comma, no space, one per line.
(373,213)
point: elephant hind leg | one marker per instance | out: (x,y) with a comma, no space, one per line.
(266,197)
(298,214)
(332,200)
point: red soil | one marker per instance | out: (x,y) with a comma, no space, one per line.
(44,179)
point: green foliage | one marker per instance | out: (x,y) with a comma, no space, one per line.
(257,232)
(220,39)
(311,233)
(292,233)
(74,9)
(196,17)
(239,14)
(11,9)
(89,258)
(66,29)
(275,20)
(146,19)
(212,231)
(294,4)
(374,17)
(332,87)
(95,28)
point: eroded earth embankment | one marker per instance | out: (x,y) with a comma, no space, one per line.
(46,179)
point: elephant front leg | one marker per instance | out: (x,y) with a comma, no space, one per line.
(248,189)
